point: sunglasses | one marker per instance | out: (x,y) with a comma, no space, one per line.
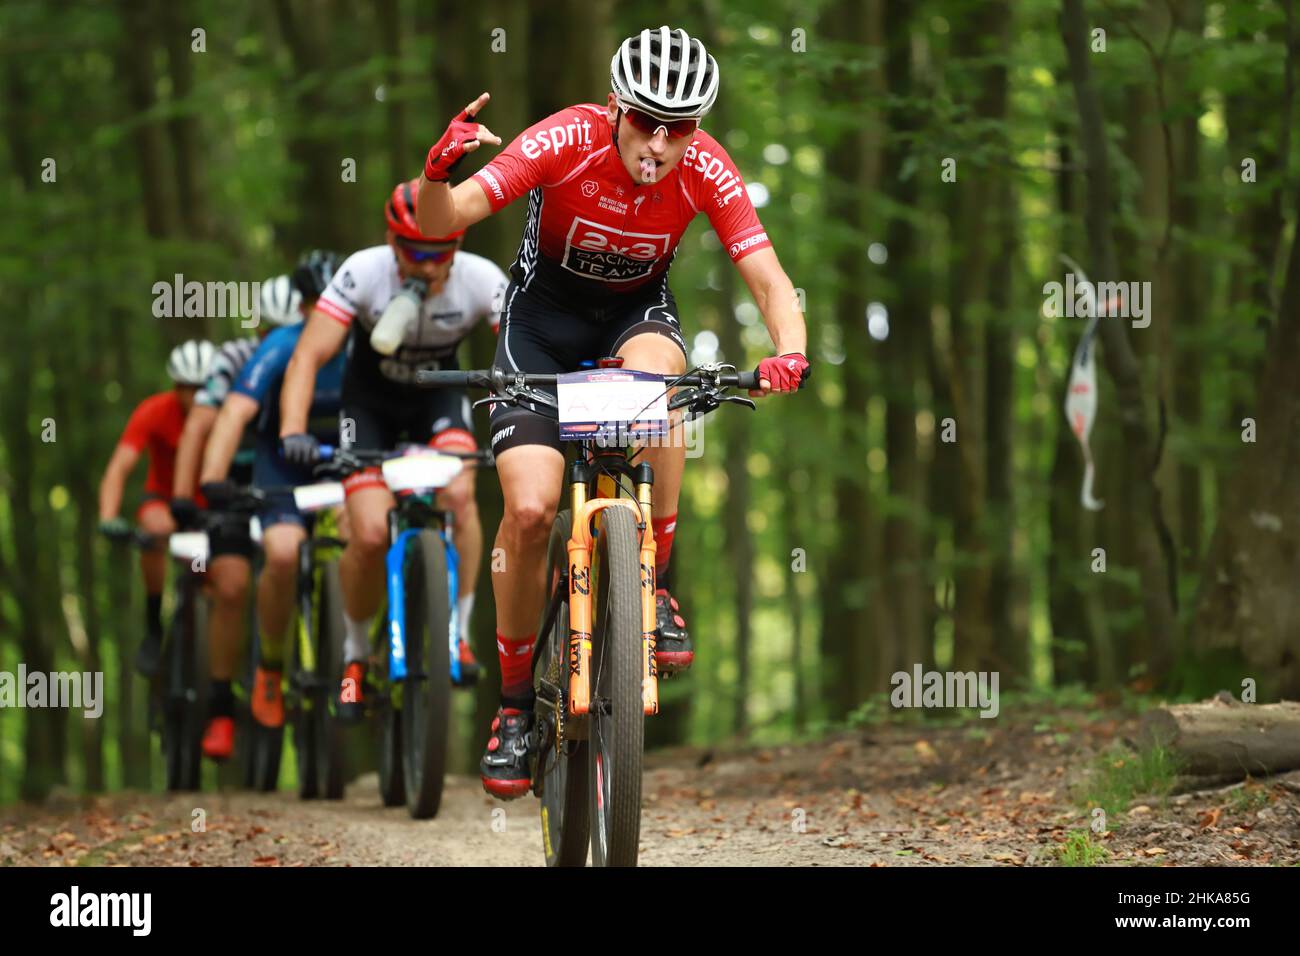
(648,124)
(426,255)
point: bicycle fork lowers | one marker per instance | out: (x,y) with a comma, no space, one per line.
(586,515)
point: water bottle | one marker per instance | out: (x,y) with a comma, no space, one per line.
(386,337)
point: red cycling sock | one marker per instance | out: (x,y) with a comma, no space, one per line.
(516,657)
(663,528)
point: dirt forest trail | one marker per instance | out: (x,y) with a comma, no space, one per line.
(979,793)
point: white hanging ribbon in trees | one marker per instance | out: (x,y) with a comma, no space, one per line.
(1081,396)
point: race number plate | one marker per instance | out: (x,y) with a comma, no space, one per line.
(189,545)
(421,472)
(317,497)
(611,405)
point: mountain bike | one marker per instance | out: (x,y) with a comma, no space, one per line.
(314,665)
(594,668)
(178,693)
(412,690)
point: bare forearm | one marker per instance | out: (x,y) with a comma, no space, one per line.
(295,396)
(110,490)
(780,309)
(435,209)
(222,444)
(189,453)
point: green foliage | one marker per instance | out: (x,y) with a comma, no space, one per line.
(1079,849)
(1118,776)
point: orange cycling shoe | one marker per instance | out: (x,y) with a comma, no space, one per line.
(267,702)
(469,666)
(352,706)
(219,738)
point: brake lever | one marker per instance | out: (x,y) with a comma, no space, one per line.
(739,400)
(493,399)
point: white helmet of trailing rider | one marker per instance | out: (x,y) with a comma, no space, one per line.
(189,362)
(666,73)
(280,301)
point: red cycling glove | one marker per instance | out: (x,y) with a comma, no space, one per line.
(447,153)
(786,373)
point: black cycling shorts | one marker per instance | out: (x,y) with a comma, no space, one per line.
(371,423)
(540,335)
(229,534)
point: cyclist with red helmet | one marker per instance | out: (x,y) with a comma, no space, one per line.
(611,190)
(398,307)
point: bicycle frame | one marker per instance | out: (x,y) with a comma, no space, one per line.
(395,563)
(581,548)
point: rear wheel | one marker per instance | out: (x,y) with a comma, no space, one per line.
(617,719)
(562,772)
(426,691)
(327,732)
(185,694)
(268,746)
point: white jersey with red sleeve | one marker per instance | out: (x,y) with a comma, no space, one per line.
(593,231)
(366,282)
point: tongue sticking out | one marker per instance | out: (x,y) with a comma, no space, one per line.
(647,170)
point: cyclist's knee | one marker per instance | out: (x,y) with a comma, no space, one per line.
(156,520)
(458,498)
(528,519)
(369,533)
(280,547)
(229,581)
(652,352)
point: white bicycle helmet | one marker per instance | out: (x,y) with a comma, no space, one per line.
(189,362)
(665,73)
(280,301)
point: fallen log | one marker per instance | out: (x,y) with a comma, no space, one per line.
(1226,738)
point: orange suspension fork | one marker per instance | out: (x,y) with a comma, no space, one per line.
(580,549)
(650,673)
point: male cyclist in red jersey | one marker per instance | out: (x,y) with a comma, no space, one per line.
(155,426)
(611,191)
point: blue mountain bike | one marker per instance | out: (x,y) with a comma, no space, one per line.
(412,691)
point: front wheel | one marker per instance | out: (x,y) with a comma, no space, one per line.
(617,718)
(426,690)
(562,771)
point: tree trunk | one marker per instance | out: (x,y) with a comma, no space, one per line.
(902,354)
(1140,445)
(135,65)
(1248,589)
(1223,737)
(324,219)
(853,164)
(403,159)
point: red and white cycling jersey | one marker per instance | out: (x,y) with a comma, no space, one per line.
(593,231)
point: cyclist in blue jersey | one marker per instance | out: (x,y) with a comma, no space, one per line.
(252,409)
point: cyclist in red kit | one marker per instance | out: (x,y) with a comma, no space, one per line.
(154,428)
(611,189)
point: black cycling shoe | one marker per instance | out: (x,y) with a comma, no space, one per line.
(674,652)
(148,656)
(504,767)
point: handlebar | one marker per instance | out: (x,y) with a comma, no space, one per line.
(333,458)
(498,379)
